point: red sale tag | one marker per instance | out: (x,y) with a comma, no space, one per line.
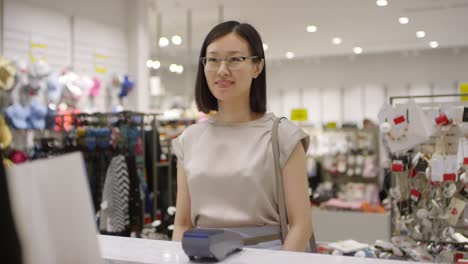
(442,120)
(397,167)
(414,194)
(450,177)
(399,120)
(465,161)
(457,256)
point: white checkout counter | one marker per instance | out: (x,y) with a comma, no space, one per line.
(119,250)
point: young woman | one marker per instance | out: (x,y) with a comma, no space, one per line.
(225,171)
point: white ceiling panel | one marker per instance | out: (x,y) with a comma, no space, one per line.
(282,24)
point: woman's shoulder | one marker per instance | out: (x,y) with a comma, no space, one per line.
(287,125)
(194,130)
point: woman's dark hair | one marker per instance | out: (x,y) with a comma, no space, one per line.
(206,101)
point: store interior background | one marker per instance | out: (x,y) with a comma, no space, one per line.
(330,81)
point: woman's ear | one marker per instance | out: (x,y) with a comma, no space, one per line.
(259,68)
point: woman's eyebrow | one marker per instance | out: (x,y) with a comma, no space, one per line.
(229,52)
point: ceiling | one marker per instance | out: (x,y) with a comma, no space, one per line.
(282,24)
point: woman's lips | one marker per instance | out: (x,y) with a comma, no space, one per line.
(224,83)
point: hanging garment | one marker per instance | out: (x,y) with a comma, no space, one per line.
(135,205)
(96,164)
(115,197)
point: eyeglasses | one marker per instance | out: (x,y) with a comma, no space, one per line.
(233,63)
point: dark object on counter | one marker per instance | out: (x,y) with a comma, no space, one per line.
(210,244)
(10,249)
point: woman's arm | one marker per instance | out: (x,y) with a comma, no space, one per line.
(183,219)
(296,189)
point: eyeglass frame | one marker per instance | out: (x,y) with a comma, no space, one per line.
(244,58)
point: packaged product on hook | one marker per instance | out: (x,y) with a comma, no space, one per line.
(404,126)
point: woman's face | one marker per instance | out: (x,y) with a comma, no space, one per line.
(231,83)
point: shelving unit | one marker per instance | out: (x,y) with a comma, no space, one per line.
(343,154)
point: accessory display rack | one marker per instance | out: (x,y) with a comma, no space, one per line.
(428,207)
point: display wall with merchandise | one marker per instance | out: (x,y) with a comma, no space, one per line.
(93,45)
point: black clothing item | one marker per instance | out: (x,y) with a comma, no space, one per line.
(97,163)
(152,154)
(317,179)
(10,247)
(135,206)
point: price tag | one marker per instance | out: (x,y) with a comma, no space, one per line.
(463,151)
(442,120)
(299,114)
(399,120)
(37,52)
(451,164)
(415,195)
(331,125)
(397,166)
(450,177)
(464,90)
(100,63)
(455,209)
(437,168)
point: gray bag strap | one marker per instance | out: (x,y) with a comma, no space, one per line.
(279,181)
(280,188)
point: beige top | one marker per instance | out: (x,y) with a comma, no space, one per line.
(230,170)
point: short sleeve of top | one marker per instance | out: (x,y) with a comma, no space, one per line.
(289,135)
(178,146)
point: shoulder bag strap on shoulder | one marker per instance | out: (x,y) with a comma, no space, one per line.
(280,187)
(279,181)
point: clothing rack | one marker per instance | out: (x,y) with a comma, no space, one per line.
(63,127)
(158,165)
(145,118)
(140,120)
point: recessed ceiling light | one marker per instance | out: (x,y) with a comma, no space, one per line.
(265,46)
(337,41)
(311,28)
(173,67)
(434,44)
(420,34)
(289,55)
(176,40)
(156,65)
(357,50)
(381,2)
(163,42)
(403,20)
(180,69)
(149,63)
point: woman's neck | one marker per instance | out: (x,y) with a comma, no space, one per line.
(232,113)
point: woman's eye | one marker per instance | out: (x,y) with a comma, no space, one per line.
(236,59)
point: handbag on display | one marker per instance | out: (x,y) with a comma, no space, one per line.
(280,189)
